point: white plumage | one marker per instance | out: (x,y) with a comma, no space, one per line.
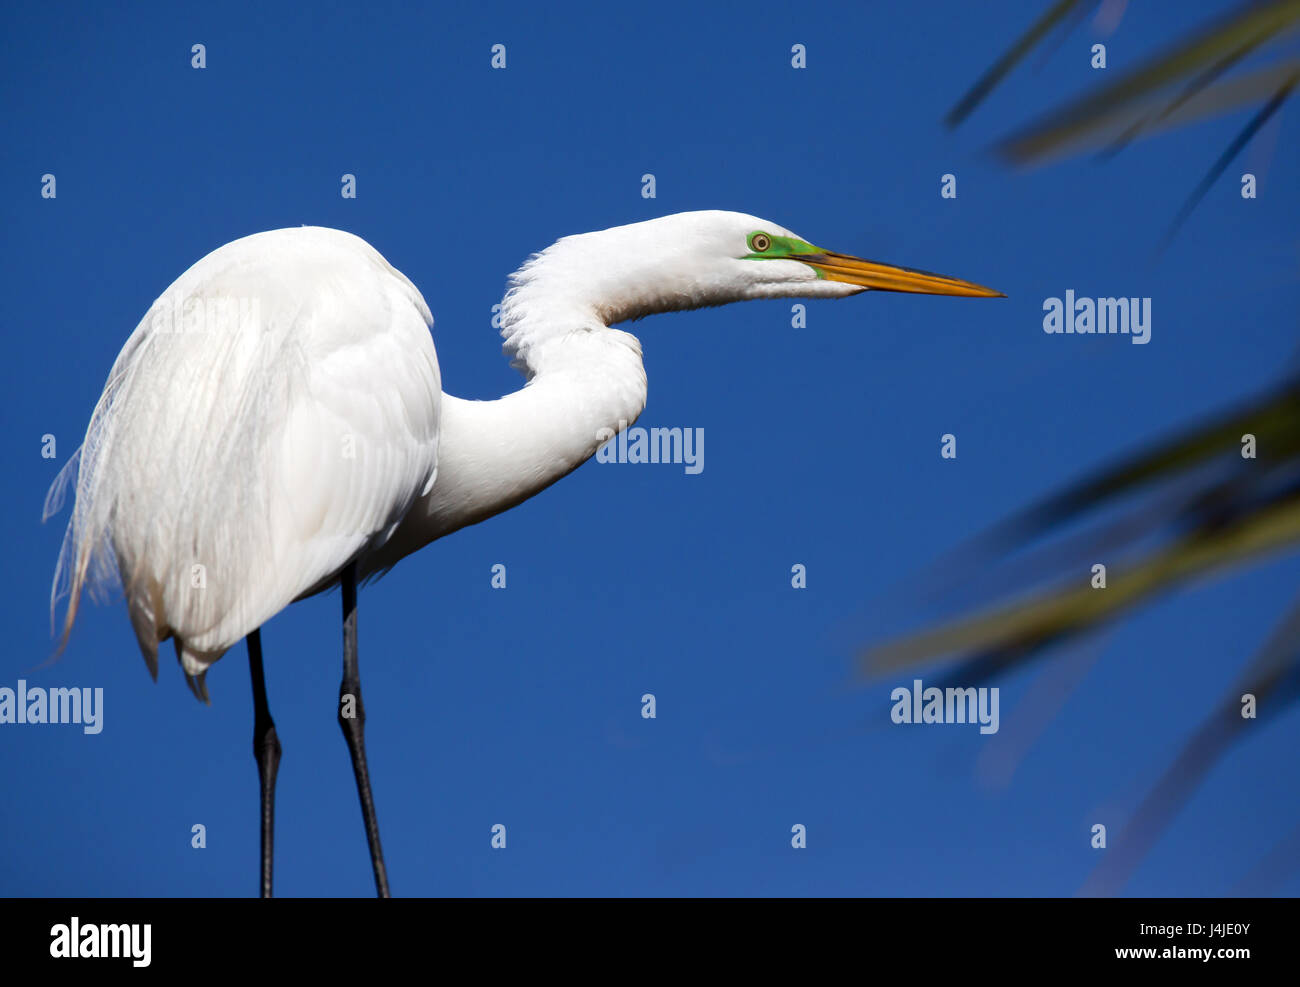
(273,415)
(276,425)
(279,411)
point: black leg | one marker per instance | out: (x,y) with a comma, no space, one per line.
(266,749)
(352,718)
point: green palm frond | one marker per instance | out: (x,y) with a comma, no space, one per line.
(1190,82)
(1013,57)
(1273,679)
(1140,102)
(1230,511)
(1048,141)
(1239,142)
(1201,508)
(1028,626)
(1274,420)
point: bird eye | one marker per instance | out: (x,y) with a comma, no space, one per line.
(759,242)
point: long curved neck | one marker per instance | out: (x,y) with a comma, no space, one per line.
(585,382)
(493,455)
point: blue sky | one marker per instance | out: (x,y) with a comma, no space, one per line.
(522,706)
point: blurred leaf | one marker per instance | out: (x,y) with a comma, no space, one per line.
(1274,420)
(1244,508)
(1014,55)
(1199,83)
(1138,104)
(1055,138)
(1238,512)
(1115,110)
(1027,627)
(1226,510)
(1219,167)
(1274,679)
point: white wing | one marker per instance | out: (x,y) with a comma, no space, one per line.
(274,415)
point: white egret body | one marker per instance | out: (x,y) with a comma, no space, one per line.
(276,423)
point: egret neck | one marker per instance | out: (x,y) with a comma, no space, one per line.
(584,380)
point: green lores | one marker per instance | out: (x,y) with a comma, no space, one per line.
(856,271)
(766,246)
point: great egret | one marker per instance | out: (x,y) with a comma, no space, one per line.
(276,425)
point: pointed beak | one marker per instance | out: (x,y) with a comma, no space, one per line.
(887,277)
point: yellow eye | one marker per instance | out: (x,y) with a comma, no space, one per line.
(759,242)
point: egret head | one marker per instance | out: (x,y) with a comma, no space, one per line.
(694,259)
(782,264)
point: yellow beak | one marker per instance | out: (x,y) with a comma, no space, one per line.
(887,277)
